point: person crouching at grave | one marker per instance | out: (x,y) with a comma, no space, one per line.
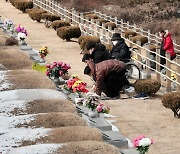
(97,52)
(109,77)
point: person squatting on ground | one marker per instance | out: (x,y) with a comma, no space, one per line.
(109,76)
(97,52)
(166,46)
(120,49)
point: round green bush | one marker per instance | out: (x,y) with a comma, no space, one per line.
(148,86)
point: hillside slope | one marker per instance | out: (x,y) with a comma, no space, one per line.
(149,14)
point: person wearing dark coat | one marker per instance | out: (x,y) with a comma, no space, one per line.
(109,76)
(97,52)
(120,49)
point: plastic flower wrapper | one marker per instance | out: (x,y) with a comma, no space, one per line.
(21,36)
(8,23)
(43,52)
(57,69)
(92,100)
(142,144)
(21,29)
(102,109)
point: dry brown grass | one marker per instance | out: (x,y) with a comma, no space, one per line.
(52,120)
(88,147)
(3,38)
(11,41)
(45,106)
(72,134)
(27,80)
(12,64)
(14,52)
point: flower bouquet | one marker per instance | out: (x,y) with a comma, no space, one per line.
(102,109)
(75,85)
(91,101)
(8,24)
(57,69)
(142,144)
(43,52)
(21,29)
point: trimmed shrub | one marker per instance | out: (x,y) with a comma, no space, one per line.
(172,101)
(108,46)
(141,38)
(23,5)
(13,1)
(68,32)
(59,23)
(50,17)
(130,32)
(11,41)
(101,20)
(148,86)
(36,14)
(91,16)
(113,25)
(83,40)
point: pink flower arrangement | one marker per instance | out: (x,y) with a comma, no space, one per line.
(57,69)
(21,29)
(142,144)
(102,109)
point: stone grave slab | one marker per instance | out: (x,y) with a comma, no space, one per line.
(98,122)
(37,59)
(26,47)
(82,109)
(115,138)
(129,151)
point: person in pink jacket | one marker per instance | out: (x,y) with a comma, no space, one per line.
(166,46)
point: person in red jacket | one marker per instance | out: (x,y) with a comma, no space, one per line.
(166,46)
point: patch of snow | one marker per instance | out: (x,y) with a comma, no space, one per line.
(12,122)
(10,106)
(4,83)
(37,149)
(16,137)
(31,94)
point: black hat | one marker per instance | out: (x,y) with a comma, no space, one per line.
(116,37)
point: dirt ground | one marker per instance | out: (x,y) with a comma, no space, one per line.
(134,117)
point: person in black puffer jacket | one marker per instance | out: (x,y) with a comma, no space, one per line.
(120,49)
(97,52)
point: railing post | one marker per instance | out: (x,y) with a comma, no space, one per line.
(92,27)
(116,21)
(156,42)
(87,25)
(109,33)
(158,76)
(104,32)
(138,42)
(73,17)
(128,25)
(65,14)
(135,27)
(178,71)
(98,28)
(149,36)
(148,70)
(168,72)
